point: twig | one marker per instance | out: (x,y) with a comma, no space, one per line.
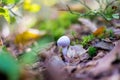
(84,4)
(14,13)
(13,6)
(109,4)
(98,1)
(72,11)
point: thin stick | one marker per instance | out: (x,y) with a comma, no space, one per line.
(84,4)
(71,10)
(109,4)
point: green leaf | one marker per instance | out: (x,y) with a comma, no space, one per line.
(5,13)
(109,18)
(116,16)
(8,65)
(10,1)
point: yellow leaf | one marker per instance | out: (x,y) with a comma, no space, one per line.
(27,1)
(27,4)
(35,8)
(28,35)
(32,7)
(99,31)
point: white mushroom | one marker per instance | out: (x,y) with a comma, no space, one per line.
(64,42)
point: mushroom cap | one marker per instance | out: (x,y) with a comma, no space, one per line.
(63,41)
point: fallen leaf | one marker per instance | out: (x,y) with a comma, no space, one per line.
(91,64)
(105,62)
(75,51)
(99,31)
(28,35)
(104,45)
(70,69)
(84,57)
(116,32)
(99,55)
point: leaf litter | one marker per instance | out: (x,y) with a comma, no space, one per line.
(105,65)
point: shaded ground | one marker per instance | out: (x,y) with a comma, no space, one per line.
(105,65)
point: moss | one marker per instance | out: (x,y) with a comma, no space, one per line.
(87,39)
(92,51)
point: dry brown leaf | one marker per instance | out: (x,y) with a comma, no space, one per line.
(105,62)
(104,45)
(70,69)
(99,31)
(75,51)
(116,32)
(99,55)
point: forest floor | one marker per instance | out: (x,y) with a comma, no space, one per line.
(103,63)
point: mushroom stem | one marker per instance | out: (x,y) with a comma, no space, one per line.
(64,51)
